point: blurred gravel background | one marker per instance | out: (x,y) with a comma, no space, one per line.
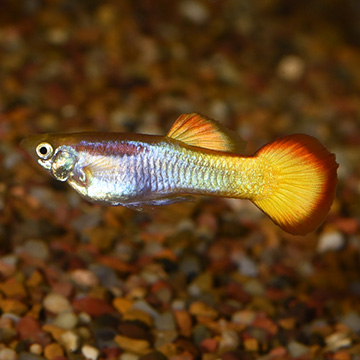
(208,280)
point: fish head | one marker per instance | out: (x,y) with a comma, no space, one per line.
(53,152)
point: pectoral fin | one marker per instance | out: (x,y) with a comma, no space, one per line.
(196,130)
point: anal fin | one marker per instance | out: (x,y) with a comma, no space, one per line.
(150,204)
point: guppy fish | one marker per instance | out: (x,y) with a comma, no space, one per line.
(292,179)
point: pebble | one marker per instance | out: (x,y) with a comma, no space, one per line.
(90,352)
(66,320)
(162,338)
(35,349)
(56,303)
(154,355)
(247,266)
(352,321)
(36,248)
(85,278)
(55,331)
(122,305)
(337,340)
(209,345)
(291,68)
(165,321)
(251,344)
(7,331)
(134,329)
(202,283)
(52,350)
(297,349)
(13,289)
(129,356)
(28,328)
(135,346)
(199,334)
(199,308)
(330,241)
(107,277)
(8,354)
(138,315)
(184,322)
(194,11)
(24,355)
(92,306)
(245,317)
(146,308)
(13,306)
(254,287)
(70,340)
(229,340)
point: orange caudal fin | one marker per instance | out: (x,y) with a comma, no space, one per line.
(304,183)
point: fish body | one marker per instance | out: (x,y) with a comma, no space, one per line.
(197,157)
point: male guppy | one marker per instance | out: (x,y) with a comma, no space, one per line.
(292,179)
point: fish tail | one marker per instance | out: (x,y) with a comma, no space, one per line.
(303,184)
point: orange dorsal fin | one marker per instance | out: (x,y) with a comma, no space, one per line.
(197,130)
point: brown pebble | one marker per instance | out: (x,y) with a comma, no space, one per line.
(265,323)
(184,322)
(154,355)
(52,350)
(209,345)
(35,279)
(134,330)
(187,346)
(122,305)
(198,308)
(251,344)
(55,331)
(342,355)
(287,323)
(236,292)
(136,346)
(13,306)
(93,306)
(135,314)
(169,350)
(28,328)
(13,289)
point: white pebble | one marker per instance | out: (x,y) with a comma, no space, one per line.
(90,352)
(352,321)
(245,317)
(297,349)
(84,277)
(66,320)
(36,248)
(337,341)
(128,356)
(194,11)
(291,68)
(254,287)
(35,349)
(229,341)
(8,354)
(56,303)
(70,341)
(330,241)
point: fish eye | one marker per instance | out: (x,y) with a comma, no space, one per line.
(44,150)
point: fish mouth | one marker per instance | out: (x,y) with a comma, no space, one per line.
(30,143)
